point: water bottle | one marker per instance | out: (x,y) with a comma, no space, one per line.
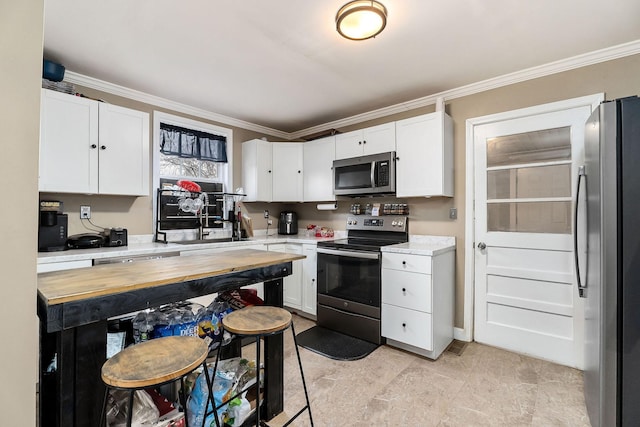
(142,326)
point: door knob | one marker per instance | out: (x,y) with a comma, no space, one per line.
(482,245)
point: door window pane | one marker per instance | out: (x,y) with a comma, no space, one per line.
(530,147)
(530,217)
(530,182)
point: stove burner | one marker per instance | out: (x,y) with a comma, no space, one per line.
(365,232)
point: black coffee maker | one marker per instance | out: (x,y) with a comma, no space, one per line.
(52,229)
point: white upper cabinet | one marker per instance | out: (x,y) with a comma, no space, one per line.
(124,151)
(68,143)
(91,147)
(287,172)
(272,171)
(371,140)
(424,156)
(318,169)
(257,170)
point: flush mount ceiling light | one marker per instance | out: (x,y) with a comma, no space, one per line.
(361,19)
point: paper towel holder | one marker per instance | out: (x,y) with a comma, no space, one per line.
(327,206)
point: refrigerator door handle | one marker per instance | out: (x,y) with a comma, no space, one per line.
(581,289)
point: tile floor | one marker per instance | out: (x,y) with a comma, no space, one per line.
(483,386)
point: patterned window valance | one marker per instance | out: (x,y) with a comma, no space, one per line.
(183,142)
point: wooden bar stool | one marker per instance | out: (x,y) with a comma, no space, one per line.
(258,322)
(153,363)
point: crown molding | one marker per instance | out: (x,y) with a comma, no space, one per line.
(157,101)
(595,57)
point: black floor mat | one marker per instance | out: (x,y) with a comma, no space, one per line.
(334,345)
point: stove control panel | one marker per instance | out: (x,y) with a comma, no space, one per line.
(377,223)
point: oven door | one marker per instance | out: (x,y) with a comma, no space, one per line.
(350,280)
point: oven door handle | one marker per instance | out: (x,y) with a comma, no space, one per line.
(364,255)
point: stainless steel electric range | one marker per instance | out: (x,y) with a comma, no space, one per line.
(349,275)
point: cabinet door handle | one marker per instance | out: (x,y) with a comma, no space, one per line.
(404,325)
(359,142)
(364,142)
(404,262)
(269,171)
(404,290)
(397,158)
(93,146)
(103,147)
(298,171)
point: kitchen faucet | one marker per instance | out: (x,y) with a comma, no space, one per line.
(205,223)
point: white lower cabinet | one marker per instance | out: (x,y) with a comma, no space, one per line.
(292,292)
(418,301)
(300,286)
(309,279)
(65,265)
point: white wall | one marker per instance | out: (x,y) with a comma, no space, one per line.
(20,70)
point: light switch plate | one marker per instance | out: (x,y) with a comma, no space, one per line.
(453,213)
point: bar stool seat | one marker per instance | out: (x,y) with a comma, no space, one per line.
(258,322)
(153,363)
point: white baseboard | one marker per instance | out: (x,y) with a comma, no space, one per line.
(461,335)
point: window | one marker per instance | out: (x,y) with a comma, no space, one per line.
(187,152)
(529,182)
(188,149)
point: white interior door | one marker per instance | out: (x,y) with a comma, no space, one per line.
(525,175)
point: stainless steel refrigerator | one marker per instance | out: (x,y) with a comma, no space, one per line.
(609,274)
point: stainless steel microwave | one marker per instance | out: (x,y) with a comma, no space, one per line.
(365,175)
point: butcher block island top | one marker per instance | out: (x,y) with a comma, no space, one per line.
(83,283)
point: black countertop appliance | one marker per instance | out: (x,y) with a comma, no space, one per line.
(52,227)
(288,223)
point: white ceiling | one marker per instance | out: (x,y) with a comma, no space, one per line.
(281,64)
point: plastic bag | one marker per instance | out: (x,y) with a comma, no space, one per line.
(238,410)
(210,322)
(145,412)
(240,298)
(232,375)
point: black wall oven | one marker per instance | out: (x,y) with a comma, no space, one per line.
(349,276)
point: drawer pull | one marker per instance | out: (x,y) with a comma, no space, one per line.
(404,290)
(404,325)
(404,262)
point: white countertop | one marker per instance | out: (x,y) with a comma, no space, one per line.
(423,245)
(143,245)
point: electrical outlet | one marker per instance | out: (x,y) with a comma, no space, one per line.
(269,222)
(85,212)
(266,213)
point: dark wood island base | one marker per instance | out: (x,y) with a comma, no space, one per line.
(74,305)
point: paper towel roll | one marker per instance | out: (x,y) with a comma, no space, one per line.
(327,206)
